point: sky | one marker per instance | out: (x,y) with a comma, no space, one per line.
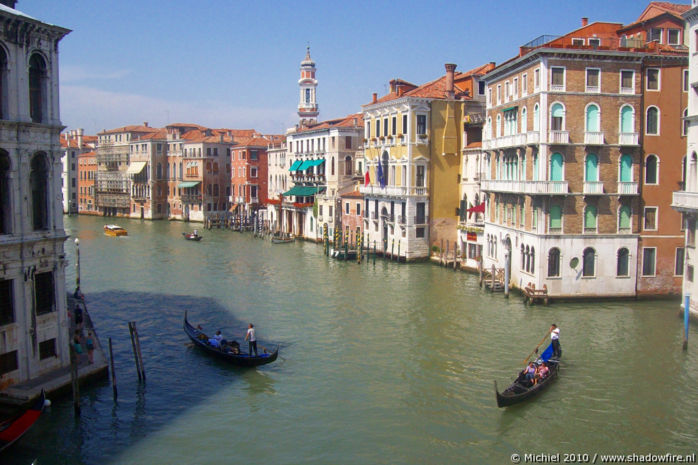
(235,64)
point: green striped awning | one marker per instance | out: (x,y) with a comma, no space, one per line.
(510,108)
(305,165)
(302,191)
(188,184)
(295,165)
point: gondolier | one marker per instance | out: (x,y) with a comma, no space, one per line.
(250,336)
(555,338)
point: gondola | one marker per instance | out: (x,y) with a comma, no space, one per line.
(14,428)
(279,240)
(192,236)
(519,391)
(241,359)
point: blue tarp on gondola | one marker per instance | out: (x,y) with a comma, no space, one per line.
(547,353)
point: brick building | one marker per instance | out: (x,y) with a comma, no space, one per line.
(87,170)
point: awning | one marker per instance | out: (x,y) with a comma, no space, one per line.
(510,108)
(302,191)
(304,166)
(136,167)
(188,184)
(317,162)
(295,165)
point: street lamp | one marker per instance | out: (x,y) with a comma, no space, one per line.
(77,263)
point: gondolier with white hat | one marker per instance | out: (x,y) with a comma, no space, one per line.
(555,338)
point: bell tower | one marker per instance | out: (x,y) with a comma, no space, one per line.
(307,105)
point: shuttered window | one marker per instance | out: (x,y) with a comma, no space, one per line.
(43,289)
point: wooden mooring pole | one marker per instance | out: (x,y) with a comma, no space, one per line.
(113,373)
(74,379)
(136,346)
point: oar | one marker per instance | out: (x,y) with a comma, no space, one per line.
(536,349)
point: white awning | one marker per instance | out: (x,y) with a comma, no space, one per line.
(136,167)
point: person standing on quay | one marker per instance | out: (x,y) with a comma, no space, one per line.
(555,338)
(250,336)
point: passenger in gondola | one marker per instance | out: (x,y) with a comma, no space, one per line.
(542,372)
(530,373)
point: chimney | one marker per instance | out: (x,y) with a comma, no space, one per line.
(450,70)
(393,86)
(221,137)
(80,132)
(375,98)
(145,123)
(585,21)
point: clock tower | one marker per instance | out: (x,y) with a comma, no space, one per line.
(307,105)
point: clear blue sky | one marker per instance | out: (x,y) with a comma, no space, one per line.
(235,64)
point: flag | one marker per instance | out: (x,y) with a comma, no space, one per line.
(367,179)
(476,209)
(547,353)
(381,178)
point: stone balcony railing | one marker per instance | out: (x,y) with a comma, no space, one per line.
(628,138)
(593,138)
(558,137)
(525,187)
(684,200)
(532,137)
(393,191)
(628,188)
(593,187)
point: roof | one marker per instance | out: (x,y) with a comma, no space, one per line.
(655,10)
(251,142)
(156,134)
(134,128)
(352,195)
(87,154)
(349,121)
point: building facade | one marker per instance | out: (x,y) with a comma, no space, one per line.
(74,143)
(248,176)
(87,171)
(33,315)
(571,141)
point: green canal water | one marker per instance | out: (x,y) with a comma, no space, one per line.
(380,364)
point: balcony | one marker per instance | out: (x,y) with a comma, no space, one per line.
(627,188)
(685,201)
(393,191)
(593,138)
(525,187)
(593,187)
(513,140)
(559,137)
(628,138)
(190,198)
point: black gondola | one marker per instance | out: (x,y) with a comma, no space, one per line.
(192,236)
(227,353)
(14,428)
(519,391)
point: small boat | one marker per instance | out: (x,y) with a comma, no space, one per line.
(281,240)
(520,389)
(14,428)
(192,236)
(114,230)
(228,352)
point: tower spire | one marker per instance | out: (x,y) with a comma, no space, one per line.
(307,106)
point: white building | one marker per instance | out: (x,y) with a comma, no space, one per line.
(34,337)
(686,201)
(74,143)
(279,180)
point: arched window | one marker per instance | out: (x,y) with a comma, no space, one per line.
(622,262)
(533,260)
(626,168)
(524,120)
(180,170)
(553,262)
(159,170)
(652,122)
(498,132)
(556,167)
(590,213)
(347,166)
(528,258)
(651,169)
(627,119)
(684,126)
(536,118)
(624,219)
(588,262)
(39,187)
(593,118)
(37,88)
(523,258)
(5,199)
(591,172)
(332,166)
(3,83)
(557,117)
(385,162)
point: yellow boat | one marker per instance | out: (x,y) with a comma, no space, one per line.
(114,230)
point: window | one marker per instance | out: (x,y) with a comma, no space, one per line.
(588,262)
(685,80)
(404,124)
(556,167)
(591,169)
(593,123)
(347,165)
(594,42)
(684,123)
(358,209)
(499,94)
(593,83)
(44,292)
(590,213)
(524,121)
(536,79)
(626,168)
(557,78)
(652,75)
(648,261)
(37,88)
(481,87)
(678,263)
(8,362)
(5,201)
(421,124)
(536,118)
(651,169)
(420,176)
(652,125)
(47,349)
(627,120)
(555,218)
(557,117)
(254,155)
(524,84)
(654,34)
(393,128)
(627,82)
(39,188)
(577,42)
(507,91)
(554,262)
(624,219)
(622,260)
(650,219)
(385,127)
(378,128)
(253,172)
(7,312)
(347,142)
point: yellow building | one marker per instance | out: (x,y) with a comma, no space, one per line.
(412,148)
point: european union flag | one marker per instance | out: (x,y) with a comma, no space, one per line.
(381,178)
(547,353)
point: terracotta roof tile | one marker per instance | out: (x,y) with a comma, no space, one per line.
(134,128)
(356,119)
